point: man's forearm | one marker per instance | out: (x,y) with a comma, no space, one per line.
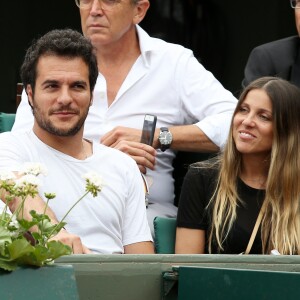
(30,204)
(37,204)
(188,138)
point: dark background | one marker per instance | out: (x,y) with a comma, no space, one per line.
(220,32)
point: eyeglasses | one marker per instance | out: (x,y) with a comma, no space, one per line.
(295,3)
(105,4)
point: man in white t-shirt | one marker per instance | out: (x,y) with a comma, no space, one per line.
(59,73)
(141,75)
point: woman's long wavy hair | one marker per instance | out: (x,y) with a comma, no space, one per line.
(280,227)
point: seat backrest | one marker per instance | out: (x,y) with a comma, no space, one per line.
(165,235)
(181,164)
(19,93)
(6,121)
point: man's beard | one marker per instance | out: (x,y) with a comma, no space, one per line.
(48,126)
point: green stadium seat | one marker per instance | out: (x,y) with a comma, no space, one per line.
(165,234)
(6,121)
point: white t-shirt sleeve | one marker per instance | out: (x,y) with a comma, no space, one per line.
(9,158)
(10,152)
(135,227)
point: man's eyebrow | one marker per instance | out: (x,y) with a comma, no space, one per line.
(76,82)
(80,82)
(50,81)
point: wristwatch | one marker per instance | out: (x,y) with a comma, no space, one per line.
(165,138)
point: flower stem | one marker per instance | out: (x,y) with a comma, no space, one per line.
(44,213)
(17,211)
(3,214)
(68,212)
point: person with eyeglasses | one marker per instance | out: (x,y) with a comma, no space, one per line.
(141,75)
(280,58)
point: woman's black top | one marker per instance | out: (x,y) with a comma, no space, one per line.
(198,187)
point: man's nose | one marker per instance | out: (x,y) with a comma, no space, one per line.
(96,7)
(64,97)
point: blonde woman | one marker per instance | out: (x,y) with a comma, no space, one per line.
(221,199)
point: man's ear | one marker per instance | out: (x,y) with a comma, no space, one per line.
(29,93)
(140,11)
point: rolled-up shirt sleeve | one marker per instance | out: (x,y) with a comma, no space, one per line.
(216,128)
(205,100)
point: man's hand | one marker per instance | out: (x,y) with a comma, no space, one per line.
(73,241)
(113,137)
(124,139)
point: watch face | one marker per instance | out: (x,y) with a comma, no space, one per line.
(165,138)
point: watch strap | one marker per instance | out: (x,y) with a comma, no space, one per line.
(163,148)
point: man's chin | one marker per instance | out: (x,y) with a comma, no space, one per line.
(98,38)
(62,131)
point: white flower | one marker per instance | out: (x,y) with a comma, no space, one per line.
(28,179)
(33,169)
(14,223)
(6,175)
(93,183)
(94,179)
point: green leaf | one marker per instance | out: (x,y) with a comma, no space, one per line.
(58,249)
(18,248)
(46,226)
(4,236)
(52,230)
(44,255)
(5,217)
(36,236)
(39,217)
(27,224)
(39,256)
(57,228)
(8,265)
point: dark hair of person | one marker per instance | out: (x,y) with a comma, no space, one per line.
(63,43)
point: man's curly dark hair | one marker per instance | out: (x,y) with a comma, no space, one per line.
(64,43)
